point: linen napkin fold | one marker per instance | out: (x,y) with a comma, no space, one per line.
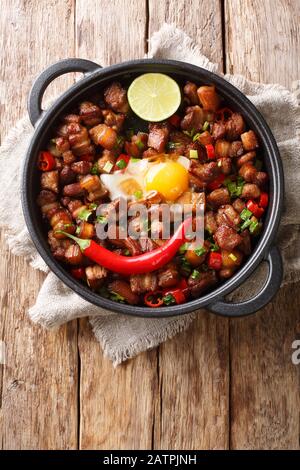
(123,337)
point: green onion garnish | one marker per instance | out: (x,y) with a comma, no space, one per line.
(140,145)
(95,169)
(183,248)
(205,126)
(196,136)
(245,214)
(107,167)
(138,194)
(121,164)
(168,299)
(233,257)
(246,224)
(214,247)
(116,297)
(195,274)
(84,214)
(200,251)
(193,153)
(135,160)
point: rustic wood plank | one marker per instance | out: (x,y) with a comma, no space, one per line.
(200,20)
(117,406)
(263,42)
(38,401)
(192,411)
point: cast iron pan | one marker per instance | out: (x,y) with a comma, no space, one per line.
(95,78)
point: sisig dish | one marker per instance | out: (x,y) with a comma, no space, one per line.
(102,154)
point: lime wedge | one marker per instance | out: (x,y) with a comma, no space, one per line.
(154,96)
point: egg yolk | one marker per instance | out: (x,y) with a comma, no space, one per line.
(170,179)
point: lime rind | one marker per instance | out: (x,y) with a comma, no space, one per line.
(154,97)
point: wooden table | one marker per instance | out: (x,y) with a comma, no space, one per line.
(224,383)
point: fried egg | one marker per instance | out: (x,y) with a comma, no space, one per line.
(167,176)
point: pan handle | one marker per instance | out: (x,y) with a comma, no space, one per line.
(47,76)
(261,299)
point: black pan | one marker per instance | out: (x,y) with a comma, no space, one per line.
(95,78)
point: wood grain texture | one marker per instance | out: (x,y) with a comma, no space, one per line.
(265,400)
(117,406)
(194,367)
(200,20)
(38,386)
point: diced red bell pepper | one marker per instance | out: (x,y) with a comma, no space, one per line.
(175,120)
(255,209)
(122,162)
(87,158)
(264,200)
(216,183)
(78,273)
(210,150)
(214,260)
(46,161)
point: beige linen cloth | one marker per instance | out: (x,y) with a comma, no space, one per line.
(123,337)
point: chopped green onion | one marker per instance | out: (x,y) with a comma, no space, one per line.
(121,164)
(233,257)
(205,126)
(138,194)
(255,227)
(126,252)
(200,251)
(246,224)
(214,247)
(190,133)
(193,153)
(196,136)
(183,248)
(235,187)
(102,219)
(107,167)
(116,297)
(84,214)
(93,206)
(135,160)
(139,145)
(168,299)
(245,214)
(77,231)
(120,140)
(195,274)
(95,169)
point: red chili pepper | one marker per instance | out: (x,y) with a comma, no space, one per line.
(255,209)
(210,150)
(121,162)
(87,158)
(154,299)
(144,263)
(214,260)
(264,200)
(175,120)
(78,273)
(221,114)
(182,284)
(215,184)
(178,295)
(46,161)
